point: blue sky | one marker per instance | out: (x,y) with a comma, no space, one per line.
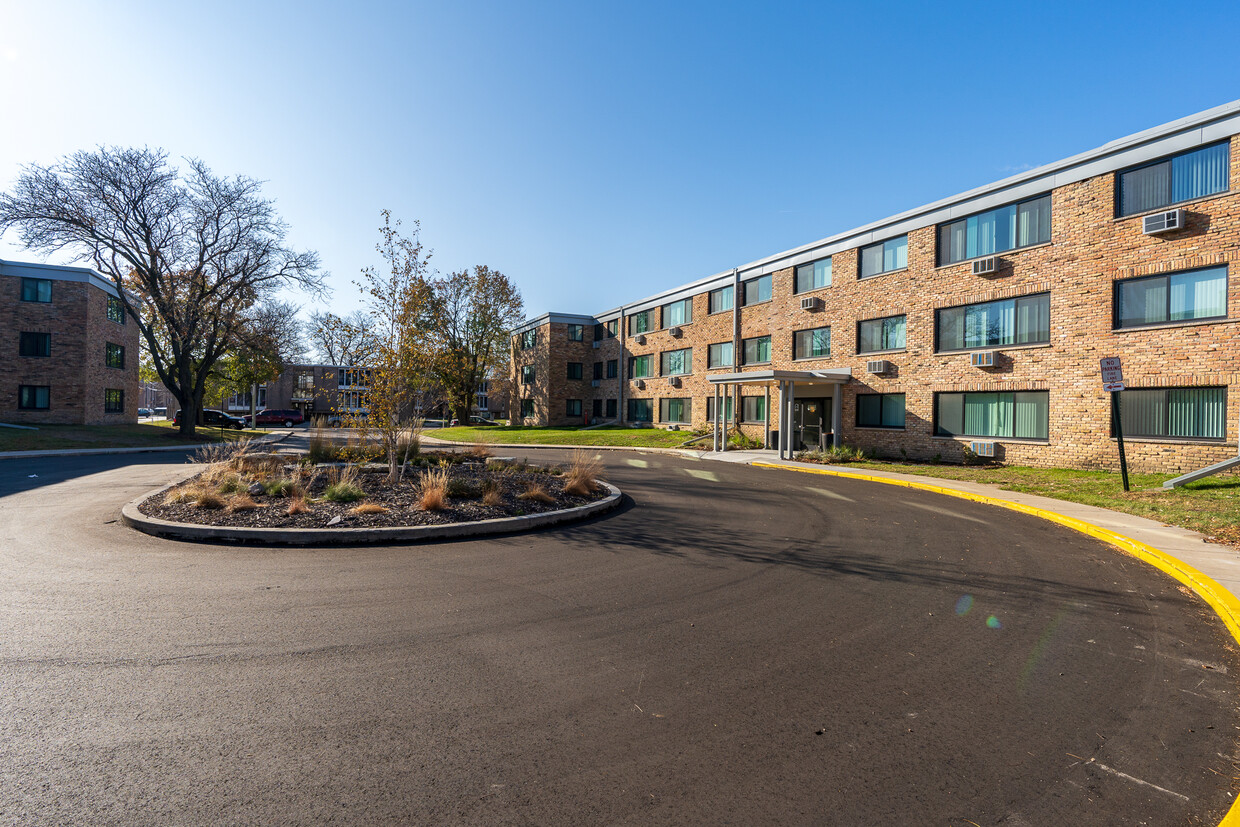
(600,152)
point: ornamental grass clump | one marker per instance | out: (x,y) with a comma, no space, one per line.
(297,505)
(342,485)
(433,490)
(242,502)
(210,501)
(536,492)
(283,487)
(230,484)
(581,479)
(368,508)
(322,449)
(183,494)
(491,495)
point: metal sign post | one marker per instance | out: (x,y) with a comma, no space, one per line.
(1113,382)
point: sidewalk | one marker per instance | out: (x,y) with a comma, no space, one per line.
(270,439)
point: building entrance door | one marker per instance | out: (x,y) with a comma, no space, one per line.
(809,420)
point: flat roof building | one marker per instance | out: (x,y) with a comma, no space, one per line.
(974,324)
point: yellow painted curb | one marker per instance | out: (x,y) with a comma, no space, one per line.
(1223,602)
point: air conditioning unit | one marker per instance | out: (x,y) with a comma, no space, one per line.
(594,383)
(983,359)
(597,344)
(675,331)
(982,449)
(639,339)
(673,381)
(986,266)
(1163,222)
(641,384)
(878,366)
(811,303)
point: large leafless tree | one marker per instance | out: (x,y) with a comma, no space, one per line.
(192,254)
(342,340)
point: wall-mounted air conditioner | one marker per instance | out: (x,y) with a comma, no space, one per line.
(986,266)
(641,384)
(878,366)
(1163,222)
(983,359)
(675,331)
(640,339)
(673,381)
(983,449)
(811,303)
(597,344)
(594,383)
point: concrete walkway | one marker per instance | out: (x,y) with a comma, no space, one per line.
(270,439)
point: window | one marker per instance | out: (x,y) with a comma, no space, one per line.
(1178,413)
(574,370)
(710,409)
(813,275)
(676,362)
(35,344)
(811,344)
(483,403)
(875,335)
(996,231)
(880,410)
(756,290)
(1179,178)
(642,322)
(613,368)
(350,378)
(613,327)
(611,409)
(116,310)
(527,407)
(113,401)
(34,397)
(720,300)
(347,401)
(1178,297)
(598,370)
(37,290)
(1022,321)
(576,332)
(641,367)
(605,330)
(678,313)
(572,407)
(527,374)
(753,409)
(678,411)
(640,410)
(884,257)
(114,355)
(1022,415)
(757,350)
(720,356)
(529,338)
(596,407)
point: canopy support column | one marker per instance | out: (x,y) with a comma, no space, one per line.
(837,414)
(766,415)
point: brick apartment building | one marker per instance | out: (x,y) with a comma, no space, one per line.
(975,323)
(72,353)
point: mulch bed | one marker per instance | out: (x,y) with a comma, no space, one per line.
(401,502)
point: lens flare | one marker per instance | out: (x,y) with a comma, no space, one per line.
(992,622)
(964,604)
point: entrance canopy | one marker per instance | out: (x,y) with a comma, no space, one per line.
(787,382)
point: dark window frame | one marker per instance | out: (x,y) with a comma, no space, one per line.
(861,276)
(568,407)
(711,308)
(753,399)
(940,255)
(663,313)
(527,408)
(37,283)
(632,416)
(28,336)
(882,398)
(650,322)
(796,276)
(1166,159)
(688,351)
(769,349)
(938,348)
(22,397)
(528,374)
(757,280)
(116,310)
(861,322)
(1117,285)
(796,333)
(579,329)
(114,356)
(113,401)
(711,365)
(580,370)
(650,369)
(937,431)
(613,368)
(1214,440)
(664,404)
(529,339)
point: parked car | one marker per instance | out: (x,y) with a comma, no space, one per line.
(481,420)
(162,413)
(335,420)
(214,419)
(277,416)
(144,412)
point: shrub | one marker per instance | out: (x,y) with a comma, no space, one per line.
(368,508)
(537,493)
(479,451)
(433,490)
(209,500)
(343,492)
(242,502)
(463,489)
(581,480)
(321,449)
(282,487)
(231,484)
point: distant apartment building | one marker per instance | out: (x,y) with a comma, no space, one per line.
(72,352)
(973,325)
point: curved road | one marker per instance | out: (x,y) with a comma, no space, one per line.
(736,646)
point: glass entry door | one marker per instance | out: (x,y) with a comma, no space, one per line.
(809,420)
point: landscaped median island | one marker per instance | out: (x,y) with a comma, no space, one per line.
(605,436)
(251,495)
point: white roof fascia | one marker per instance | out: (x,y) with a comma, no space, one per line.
(58,272)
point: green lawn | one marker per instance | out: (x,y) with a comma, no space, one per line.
(631,437)
(131,435)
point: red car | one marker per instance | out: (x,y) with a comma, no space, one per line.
(273,416)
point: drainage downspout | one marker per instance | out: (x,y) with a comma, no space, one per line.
(621,367)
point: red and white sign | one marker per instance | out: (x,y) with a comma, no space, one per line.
(1112,373)
(1112,387)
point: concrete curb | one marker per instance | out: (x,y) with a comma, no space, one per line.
(154,449)
(519,445)
(134,518)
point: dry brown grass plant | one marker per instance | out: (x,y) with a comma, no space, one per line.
(582,476)
(433,490)
(210,501)
(298,505)
(242,502)
(480,451)
(368,508)
(535,492)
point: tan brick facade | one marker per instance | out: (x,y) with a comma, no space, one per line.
(1089,250)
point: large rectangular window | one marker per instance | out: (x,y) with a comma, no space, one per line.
(720,356)
(676,362)
(37,290)
(113,401)
(720,300)
(116,310)
(880,410)
(611,409)
(527,407)
(576,332)
(613,368)
(753,409)
(641,410)
(114,355)
(1022,321)
(710,409)
(574,370)
(884,257)
(1020,415)
(529,338)
(34,397)
(35,344)
(1177,413)
(605,330)
(642,322)
(812,275)
(1177,297)
(641,367)
(811,344)
(875,335)
(527,374)
(677,313)
(996,231)
(572,407)
(756,291)
(676,411)
(757,350)
(1179,178)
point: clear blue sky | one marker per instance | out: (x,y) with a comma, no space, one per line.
(600,152)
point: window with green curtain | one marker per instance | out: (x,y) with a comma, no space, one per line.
(1020,321)
(753,409)
(641,367)
(676,410)
(719,355)
(1019,415)
(812,344)
(996,231)
(642,322)
(710,409)
(813,275)
(1182,177)
(641,410)
(874,335)
(1182,413)
(757,350)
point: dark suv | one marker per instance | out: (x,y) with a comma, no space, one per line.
(272,416)
(214,419)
